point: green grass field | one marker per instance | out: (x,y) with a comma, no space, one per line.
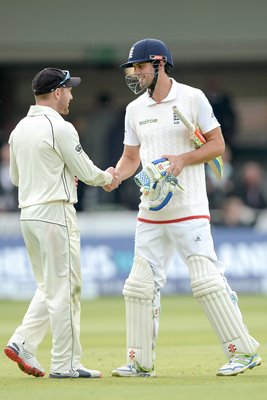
(188,355)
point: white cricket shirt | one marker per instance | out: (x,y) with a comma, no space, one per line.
(158,131)
(45,156)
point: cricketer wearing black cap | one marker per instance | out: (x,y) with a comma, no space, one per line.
(49,79)
(46,160)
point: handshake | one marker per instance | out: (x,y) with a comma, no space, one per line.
(116,180)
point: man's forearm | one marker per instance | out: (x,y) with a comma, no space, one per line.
(126,167)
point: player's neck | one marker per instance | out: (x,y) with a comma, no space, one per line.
(162,89)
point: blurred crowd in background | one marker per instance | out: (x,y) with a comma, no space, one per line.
(239,199)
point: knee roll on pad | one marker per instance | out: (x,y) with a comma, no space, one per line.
(139,291)
(140,282)
(212,291)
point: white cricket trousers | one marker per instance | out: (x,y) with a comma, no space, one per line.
(54,252)
(157,243)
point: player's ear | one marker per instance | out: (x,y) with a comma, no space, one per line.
(56,93)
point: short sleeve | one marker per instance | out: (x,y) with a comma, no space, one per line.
(206,119)
(130,137)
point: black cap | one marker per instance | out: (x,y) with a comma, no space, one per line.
(49,79)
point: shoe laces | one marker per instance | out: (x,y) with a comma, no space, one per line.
(26,353)
(242,358)
(74,373)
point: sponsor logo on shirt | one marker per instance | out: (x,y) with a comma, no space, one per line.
(148,121)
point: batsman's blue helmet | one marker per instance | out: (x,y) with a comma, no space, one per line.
(148,50)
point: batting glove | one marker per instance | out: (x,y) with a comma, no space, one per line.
(151,174)
(156,185)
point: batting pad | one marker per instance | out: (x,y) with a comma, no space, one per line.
(212,291)
(138,293)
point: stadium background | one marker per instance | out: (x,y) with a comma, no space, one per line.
(211,41)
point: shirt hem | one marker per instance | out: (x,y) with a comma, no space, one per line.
(173,221)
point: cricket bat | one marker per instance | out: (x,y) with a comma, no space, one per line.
(217,163)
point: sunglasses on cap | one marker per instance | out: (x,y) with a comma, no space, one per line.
(62,83)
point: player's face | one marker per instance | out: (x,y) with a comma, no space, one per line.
(145,72)
(64,100)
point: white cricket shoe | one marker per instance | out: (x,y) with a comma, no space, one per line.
(133,370)
(81,372)
(239,363)
(26,361)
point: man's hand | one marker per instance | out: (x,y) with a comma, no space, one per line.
(116,181)
(176,164)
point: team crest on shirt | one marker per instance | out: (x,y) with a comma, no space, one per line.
(78,148)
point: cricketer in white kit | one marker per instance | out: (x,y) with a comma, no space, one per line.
(153,131)
(45,158)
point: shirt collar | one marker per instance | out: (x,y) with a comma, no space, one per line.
(36,110)
(170,96)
